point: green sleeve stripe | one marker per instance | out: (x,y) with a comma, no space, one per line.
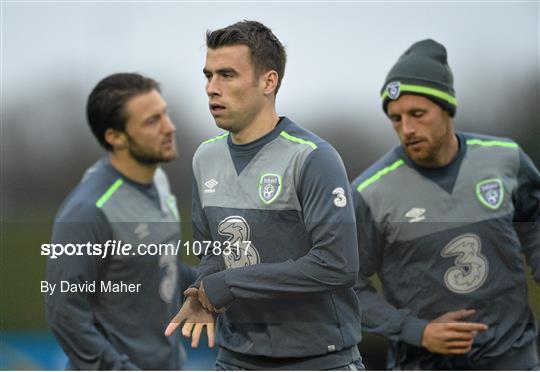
(171,202)
(297,140)
(492,143)
(110,191)
(379,174)
(424,90)
(216,138)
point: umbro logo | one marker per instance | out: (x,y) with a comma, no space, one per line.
(210,185)
(416,214)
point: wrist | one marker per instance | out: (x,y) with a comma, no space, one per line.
(413,330)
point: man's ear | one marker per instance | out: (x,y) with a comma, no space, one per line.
(270,80)
(116,139)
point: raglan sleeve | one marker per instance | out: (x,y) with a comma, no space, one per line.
(70,314)
(527,212)
(378,315)
(332,261)
(210,263)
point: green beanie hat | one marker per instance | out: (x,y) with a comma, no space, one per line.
(422,70)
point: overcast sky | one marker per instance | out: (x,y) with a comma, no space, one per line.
(53,53)
(338,53)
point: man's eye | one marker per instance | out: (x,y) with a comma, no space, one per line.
(418,114)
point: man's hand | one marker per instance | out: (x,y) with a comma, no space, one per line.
(448,335)
(205,301)
(195,318)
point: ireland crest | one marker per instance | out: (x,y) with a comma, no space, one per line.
(490,193)
(269,187)
(393,90)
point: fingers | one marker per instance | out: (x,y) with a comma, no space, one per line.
(451,338)
(175,322)
(459,344)
(205,303)
(211,331)
(204,300)
(191,292)
(457,335)
(463,313)
(458,351)
(456,315)
(467,327)
(171,328)
(186,329)
(194,331)
(196,335)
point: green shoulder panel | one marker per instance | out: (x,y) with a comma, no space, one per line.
(110,191)
(297,140)
(379,174)
(491,143)
(216,138)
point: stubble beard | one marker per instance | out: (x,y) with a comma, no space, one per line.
(146,157)
(430,156)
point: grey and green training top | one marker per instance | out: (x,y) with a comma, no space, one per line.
(450,238)
(117,330)
(285,200)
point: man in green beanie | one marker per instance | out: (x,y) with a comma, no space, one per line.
(443,219)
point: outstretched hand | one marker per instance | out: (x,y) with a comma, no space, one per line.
(195,318)
(449,335)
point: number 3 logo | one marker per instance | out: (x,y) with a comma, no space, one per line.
(340,199)
(168,282)
(243,253)
(471,268)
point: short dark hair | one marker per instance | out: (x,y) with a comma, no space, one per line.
(267,52)
(106,103)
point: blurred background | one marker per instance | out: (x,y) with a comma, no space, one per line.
(53,53)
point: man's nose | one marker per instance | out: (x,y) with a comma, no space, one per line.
(169,126)
(213,87)
(408,126)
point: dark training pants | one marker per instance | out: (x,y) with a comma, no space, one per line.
(407,357)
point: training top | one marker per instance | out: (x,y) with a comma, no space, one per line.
(99,328)
(284,199)
(450,238)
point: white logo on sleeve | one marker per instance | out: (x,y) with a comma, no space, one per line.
(210,185)
(340,200)
(416,214)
